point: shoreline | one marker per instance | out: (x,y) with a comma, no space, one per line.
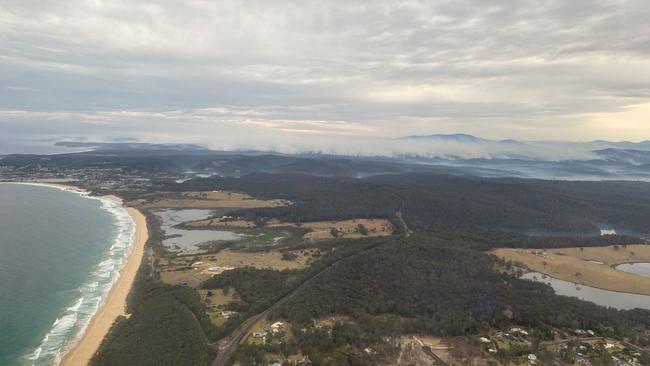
(574,265)
(115,302)
(599,296)
(528,270)
(79,351)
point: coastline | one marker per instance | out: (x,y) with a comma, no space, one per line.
(115,302)
(81,349)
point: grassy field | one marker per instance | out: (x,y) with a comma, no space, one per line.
(268,237)
(215,199)
(215,304)
(185,269)
(220,224)
(257,239)
(174,275)
(588,266)
(324,230)
(314,231)
(270,259)
(220,297)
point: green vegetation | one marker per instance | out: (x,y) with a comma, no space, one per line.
(168,326)
(259,238)
(330,345)
(315,198)
(428,199)
(439,281)
(266,237)
(445,287)
(257,288)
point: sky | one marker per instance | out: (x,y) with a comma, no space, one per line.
(294,75)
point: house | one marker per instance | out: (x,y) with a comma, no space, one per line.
(277,327)
(227,314)
(519,330)
(219,270)
(532,359)
(305,361)
(484,340)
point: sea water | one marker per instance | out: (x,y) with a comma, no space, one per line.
(60,253)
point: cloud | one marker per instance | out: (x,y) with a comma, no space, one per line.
(205,69)
(232,128)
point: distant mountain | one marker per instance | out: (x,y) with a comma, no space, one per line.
(624,156)
(458,137)
(128,146)
(450,153)
(643,145)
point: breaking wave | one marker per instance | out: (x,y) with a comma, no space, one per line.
(71,324)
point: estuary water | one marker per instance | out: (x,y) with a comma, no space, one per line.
(183,241)
(618,300)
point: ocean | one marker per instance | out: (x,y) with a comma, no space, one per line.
(60,252)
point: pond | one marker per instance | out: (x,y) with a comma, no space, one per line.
(642,269)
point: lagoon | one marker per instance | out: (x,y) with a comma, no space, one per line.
(183,241)
(618,300)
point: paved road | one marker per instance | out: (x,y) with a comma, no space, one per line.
(238,336)
(434,356)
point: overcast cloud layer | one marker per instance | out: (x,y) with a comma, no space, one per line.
(324,74)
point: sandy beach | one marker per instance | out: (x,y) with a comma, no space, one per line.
(115,303)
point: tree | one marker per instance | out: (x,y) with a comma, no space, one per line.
(362,229)
(334,232)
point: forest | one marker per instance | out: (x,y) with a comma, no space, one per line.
(167,326)
(521,205)
(444,287)
(438,281)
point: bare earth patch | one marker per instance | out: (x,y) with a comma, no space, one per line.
(584,265)
(412,353)
(192,270)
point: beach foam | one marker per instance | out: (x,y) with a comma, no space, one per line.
(70,326)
